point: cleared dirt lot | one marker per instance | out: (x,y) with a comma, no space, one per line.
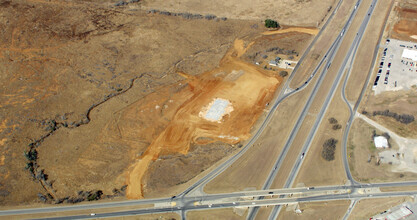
(299,13)
(405,27)
(316,210)
(248,92)
(362,208)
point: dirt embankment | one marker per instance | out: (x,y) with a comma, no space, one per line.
(406,26)
(248,92)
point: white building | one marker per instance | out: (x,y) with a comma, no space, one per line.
(273,63)
(380,142)
(409,54)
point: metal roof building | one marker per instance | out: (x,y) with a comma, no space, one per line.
(380,142)
(410,54)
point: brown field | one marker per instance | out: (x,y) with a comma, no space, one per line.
(299,13)
(317,210)
(214,214)
(400,188)
(360,148)
(400,102)
(93,89)
(405,27)
(52,73)
(362,208)
(315,170)
(161,216)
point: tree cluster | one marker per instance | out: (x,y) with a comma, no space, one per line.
(403,118)
(283,73)
(329,148)
(269,23)
(335,125)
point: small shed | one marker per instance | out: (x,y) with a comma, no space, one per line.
(380,142)
(273,63)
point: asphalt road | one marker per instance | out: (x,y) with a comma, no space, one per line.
(353,111)
(281,97)
(187,203)
(248,203)
(330,54)
(237,197)
(346,65)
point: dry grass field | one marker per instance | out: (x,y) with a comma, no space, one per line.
(400,102)
(299,13)
(67,74)
(317,210)
(315,170)
(214,214)
(360,148)
(87,87)
(363,61)
(362,208)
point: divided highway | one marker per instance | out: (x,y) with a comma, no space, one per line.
(330,54)
(345,66)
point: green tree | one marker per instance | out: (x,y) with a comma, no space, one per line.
(269,23)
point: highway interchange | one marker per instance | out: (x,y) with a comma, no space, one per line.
(193,198)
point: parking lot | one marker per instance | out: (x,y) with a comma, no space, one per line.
(394,71)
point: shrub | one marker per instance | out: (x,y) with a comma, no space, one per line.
(332,120)
(269,23)
(283,73)
(329,148)
(337,127)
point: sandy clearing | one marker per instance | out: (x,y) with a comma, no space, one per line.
(312,31)
(248,95)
